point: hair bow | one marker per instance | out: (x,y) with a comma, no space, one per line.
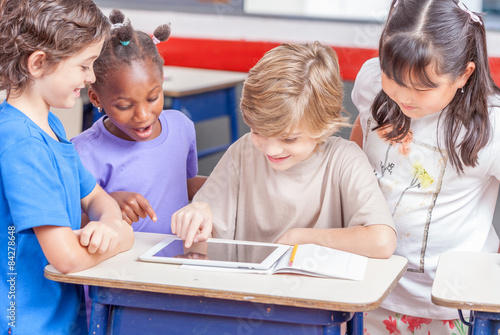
(473,16)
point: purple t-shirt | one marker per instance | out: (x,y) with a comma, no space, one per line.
(158,169)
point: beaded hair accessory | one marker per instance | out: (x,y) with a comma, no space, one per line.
(473,16)
(161,34)
(118,26)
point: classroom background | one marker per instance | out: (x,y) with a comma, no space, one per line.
(232,35)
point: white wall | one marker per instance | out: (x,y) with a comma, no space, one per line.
(252,28)
(354,9)
(360,9)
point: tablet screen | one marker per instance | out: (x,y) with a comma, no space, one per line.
(214,251)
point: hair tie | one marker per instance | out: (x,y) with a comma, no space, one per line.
(155,40)
(473,16)
(124,43)
(117,25)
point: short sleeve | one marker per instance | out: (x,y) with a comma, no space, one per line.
(87,180)
(366,87)
(365,203)
(31,186)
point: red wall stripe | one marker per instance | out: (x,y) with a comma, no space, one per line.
(213,54)
(242,55)
(495,69)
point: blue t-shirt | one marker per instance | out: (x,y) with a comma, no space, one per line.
(41,181)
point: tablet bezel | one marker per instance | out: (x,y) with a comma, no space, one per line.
(267,263)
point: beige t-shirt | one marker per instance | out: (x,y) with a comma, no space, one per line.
(333,188)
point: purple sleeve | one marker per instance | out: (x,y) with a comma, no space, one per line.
(192,159)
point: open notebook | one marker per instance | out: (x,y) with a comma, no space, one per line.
(310,260)
(315,260)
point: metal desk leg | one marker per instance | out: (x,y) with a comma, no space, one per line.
(99,319)
(99,315)
(465,322)
(355,325)
(331,330)
(354,322)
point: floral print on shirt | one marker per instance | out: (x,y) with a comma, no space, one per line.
(410,173)
(400,324)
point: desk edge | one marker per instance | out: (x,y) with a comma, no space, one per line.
(465,305)
(255,298)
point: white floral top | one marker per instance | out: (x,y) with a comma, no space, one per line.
(434,208)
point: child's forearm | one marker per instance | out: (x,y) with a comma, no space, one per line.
(376,241)
(357,133)
(88,259)
(63,249)
(194,184)
(100,206)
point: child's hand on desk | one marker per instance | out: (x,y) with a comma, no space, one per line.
(133,205)
(102,236)
(192,223)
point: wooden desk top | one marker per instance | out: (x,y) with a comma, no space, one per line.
(182,81)
(468,280)
(127,271)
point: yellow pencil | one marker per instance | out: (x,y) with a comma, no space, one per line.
(294,251)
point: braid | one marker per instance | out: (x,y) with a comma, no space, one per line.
(126,46)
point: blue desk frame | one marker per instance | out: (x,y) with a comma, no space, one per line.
(209,105)
(485,323)
(482,323)
(122,311)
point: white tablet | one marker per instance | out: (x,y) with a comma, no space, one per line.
(216,252)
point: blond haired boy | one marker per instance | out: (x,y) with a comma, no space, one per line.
(289,180)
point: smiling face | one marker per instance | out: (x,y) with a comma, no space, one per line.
(61,86)
(133,101)
(417,102)
(284,152)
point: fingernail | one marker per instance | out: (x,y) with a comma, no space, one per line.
(195,240)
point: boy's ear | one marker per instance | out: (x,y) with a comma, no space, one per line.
(94,97)
(36,63)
